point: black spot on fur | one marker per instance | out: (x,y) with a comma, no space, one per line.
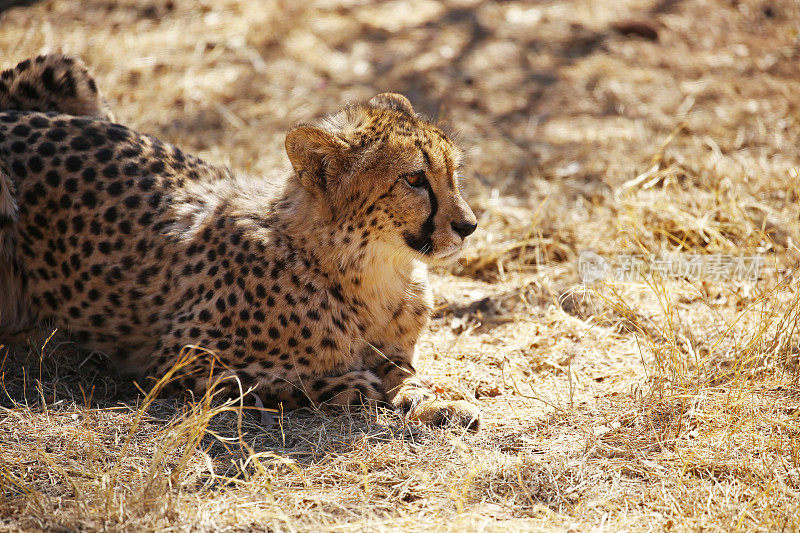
(73,163)
(56,134)
(49,79)
(28,90)
(46,149)
(80,144)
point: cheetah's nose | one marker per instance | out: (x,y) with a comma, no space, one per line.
(464,228)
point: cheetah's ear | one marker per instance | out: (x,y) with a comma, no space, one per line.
(395,101)
(311,151)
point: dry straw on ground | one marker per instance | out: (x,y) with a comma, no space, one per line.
(619,127)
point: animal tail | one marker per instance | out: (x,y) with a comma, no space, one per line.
(52,82)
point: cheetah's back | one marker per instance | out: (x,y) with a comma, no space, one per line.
(94,226)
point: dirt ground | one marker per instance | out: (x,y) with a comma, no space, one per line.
(668,131)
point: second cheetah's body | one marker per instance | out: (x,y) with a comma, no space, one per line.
(315,288)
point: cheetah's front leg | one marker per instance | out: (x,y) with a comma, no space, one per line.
(407,392)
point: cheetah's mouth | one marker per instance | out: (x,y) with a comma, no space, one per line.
(448,256)
(420,243)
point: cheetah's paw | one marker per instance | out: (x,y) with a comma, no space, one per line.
(422,406)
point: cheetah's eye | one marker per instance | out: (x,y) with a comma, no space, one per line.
(416,179)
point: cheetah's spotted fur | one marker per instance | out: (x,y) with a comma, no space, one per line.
(310,289)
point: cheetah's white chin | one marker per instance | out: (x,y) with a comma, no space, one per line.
(448,256)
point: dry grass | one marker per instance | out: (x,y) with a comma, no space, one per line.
(666,404)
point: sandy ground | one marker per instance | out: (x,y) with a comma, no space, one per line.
(664,129)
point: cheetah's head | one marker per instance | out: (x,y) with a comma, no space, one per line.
(387,176)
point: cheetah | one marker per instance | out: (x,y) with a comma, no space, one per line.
(311,289)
